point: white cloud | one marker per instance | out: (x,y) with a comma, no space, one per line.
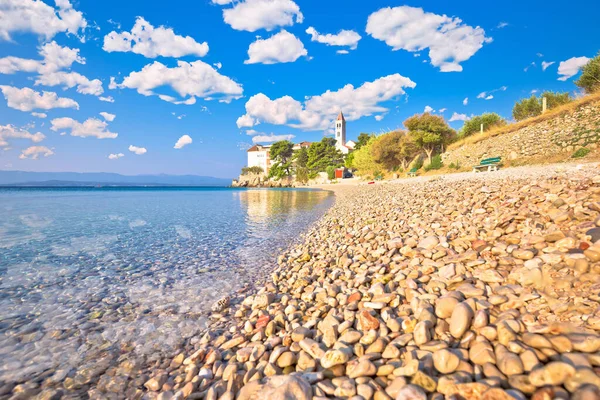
(428,109)
(534,91)
(108,99)
(529,66)
(12,132)
(152,42)
(571,67)
(91,127)
(51,69)
(108,116)
(465,101)
(39,18)
(26,99)
(39,115)
(441,110)
(458,117)
(271,138)
(282,47)
(182,142)
(34,152)
(222,2)
(545,64)
(342,38)
(252,15)
(189,80)
(318,112)
(116,156)
(539,54)
(137,150)
(448,39)
(488,95)
(379,117)
(218,65)
(502,25)
(342,52)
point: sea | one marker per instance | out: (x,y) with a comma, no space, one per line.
(88,275)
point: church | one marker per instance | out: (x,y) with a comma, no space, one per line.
(340,136)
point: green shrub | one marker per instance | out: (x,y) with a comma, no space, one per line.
(590,75)
(582,152)
(252,170)
(331,172)
(378,175)
(302,175)
(436,163)
(417,164)
(489,120)
(454,166)
(532,107)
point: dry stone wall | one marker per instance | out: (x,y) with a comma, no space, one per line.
(563,134)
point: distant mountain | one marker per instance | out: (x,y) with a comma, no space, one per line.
(23,178)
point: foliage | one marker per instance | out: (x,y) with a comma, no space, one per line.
(301,157)
(302,174)
(330,172)
(436,163)
(454,166)
(281,153)
(363,160)
(531,107)
(348,161)
(393,149)
(252,170)
(417,164)
(489,120)
(429,132)
(363,139)
(322,155)
(590,75)
(582,152)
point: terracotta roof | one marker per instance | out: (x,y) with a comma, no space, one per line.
(253,148)
(340,117)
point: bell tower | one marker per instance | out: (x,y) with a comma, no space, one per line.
(340,132)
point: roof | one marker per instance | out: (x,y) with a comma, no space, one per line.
(340,117)
(259,147)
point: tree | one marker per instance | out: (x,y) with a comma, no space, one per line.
(322,155)
(489,120)
(429,132)
(281,153)
(252,170)
(363,159)
(532,107)
(393,149)
(589,80)
(300,161)
(363,139)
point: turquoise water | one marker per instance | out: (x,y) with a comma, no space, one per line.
(87,275)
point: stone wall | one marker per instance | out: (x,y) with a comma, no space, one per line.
(562,134)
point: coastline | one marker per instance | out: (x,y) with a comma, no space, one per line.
(475,287)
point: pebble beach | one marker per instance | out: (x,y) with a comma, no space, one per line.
(485,286)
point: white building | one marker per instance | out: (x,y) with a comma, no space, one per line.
(340,135)
(258,155)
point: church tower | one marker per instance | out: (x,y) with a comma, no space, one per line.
(340,133)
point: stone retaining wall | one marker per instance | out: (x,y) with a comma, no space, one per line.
(563,134)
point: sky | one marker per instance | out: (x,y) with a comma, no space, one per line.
(139,87)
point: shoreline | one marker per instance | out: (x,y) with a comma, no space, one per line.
(434,287)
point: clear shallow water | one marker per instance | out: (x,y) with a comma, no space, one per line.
(87,275)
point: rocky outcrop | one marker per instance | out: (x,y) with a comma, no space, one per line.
(562,134)
(259,180)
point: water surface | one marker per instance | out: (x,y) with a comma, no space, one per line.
(87,275)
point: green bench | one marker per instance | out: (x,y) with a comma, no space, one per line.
(490,164)
(412,172)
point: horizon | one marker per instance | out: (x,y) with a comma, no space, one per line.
(140,90)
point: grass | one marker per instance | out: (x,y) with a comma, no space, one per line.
(548,115)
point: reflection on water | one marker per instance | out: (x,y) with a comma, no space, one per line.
(89,275)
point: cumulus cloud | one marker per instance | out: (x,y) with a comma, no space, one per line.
(252,15)
(27,99)
(342,52)
(91,127)
(108,99)
(571,67)
(442,110)
(465,101)
(152,42)
(488,95)
(189,80)
(459,117)
(39,115)
(137,150)
(282,47)
(428,109)
(182,142)
(318,112)
(546,64)
(34,152)
(379,117)
(53,68)
(271,138)
(115,156)
(342,38)
(448,39)
(39,18)
(12,132)
(108,116)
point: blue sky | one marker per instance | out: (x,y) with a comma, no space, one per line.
(254,73)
